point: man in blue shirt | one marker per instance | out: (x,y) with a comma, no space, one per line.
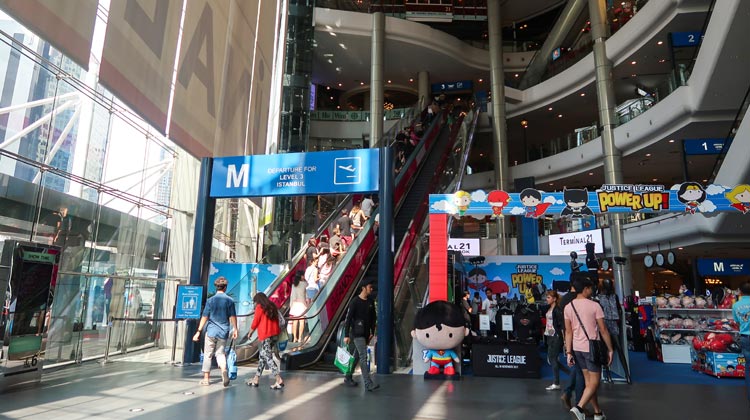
(741,313)
(216,318)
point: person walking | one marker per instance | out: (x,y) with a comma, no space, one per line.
(576,383)
(610,303)
(266,321)
(218,315)
(741,314)
(360,328)
(553,332)
(584,321)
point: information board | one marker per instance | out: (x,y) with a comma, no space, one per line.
(189,302)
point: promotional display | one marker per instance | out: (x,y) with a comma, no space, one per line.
(506,360)
(688,197)
(244,280)
(440,328)
(513,276)
(565,243)
(720,365)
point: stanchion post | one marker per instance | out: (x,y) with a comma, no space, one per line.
(109,339)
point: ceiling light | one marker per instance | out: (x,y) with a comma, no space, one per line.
(331,97)
(515,75)
(654,179)
(671,141)
(328,88)
(330,61)
(559,115)
(680,248)
(662,60)
(583,94)
(634,62)
(660,43)
(633,75)
(338,106)
(361,83)
(549,109)
(340,85)
(411,80)
(389,81)
(480,80)
(591,173)
(648,154)
(328,55)
(342,46)
(481,154)
(705,180)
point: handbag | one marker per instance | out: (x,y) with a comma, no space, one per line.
(344,361)
(597,348)
(282,339)
(231,361)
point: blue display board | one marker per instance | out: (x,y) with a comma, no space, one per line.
(723,266)
(704,146)
(686,39)
(189,302)
(336,172)
(241,277)
(688,197)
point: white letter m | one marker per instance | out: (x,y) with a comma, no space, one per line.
(234,178)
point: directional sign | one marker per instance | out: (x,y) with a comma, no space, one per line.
(704,146)
(189,302)
(452,86)
(686,39)
(336,172)
(723,266)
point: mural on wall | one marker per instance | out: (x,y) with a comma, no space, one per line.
(514,276)
(243,279)
(688,197)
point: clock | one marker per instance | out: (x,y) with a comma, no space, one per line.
(605,264)
(670,257)
(660,259)
(648,261)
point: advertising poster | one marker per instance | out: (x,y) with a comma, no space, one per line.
(514,276)
(242,277)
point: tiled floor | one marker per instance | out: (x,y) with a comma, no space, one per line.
(161,391)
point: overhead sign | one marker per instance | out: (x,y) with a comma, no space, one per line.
(704,146)
(687,197)
(452,86)
(466,246)
(189,302)
(565,243)
(686,39)
(336,172)
(723,266)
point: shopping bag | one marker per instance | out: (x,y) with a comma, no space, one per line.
(232,363)
(282,339)
(344,361)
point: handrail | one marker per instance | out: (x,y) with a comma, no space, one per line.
(730,136)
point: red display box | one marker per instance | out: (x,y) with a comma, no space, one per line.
(720,365)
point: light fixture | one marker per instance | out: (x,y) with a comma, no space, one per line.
(583,94)
(705,180)
(524,124)
(654,179)
(671,140)
(411,80)
(680,248)
(660,43)
(481,80)
(361,83)
(331,97)
(591,173)
(633,75)
(515,75)
(662,60)
(633,62)
(481,154)
(648,154)
(389,81)
(340,84)
(559,115)
(328,88)
(549,109)
(551,184)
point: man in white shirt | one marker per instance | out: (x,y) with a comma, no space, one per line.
(489,307)
(367,205)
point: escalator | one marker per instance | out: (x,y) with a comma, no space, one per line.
(411,197)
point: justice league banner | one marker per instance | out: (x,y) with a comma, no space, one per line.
(688,197)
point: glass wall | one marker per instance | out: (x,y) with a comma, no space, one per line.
(80,171)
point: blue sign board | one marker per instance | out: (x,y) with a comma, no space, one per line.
(452,86)
(556,53)
(723,266)
(189,302)
(686,39)
(703,146)
(336,172)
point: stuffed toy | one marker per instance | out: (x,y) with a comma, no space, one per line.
(440,328)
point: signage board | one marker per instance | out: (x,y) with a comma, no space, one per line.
(507,322)
(452,86)
(565,243)
(723,266)
(703,146)
(509,361)
(335,172)
(484,322)
(686,39)
(466,246)
(556,53)
(189,302)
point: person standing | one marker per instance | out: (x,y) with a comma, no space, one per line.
(553,332)
(218,315)
(476,305)
(584,321)
(467,308)
(610,303)
(299,305)
(360,326)
(266,321)
(489,308)
(344,225)
(741,314)
(367,206)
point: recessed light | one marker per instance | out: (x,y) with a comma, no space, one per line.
(660,43)
(583,94)
(338,106)
(389,81)
(634,62)
(633,75)
(481,80)
(551,183)
(340,84)
(328,88)
(591,173)
(663,60)
(559,115)
(411,80)
(680,248)
(705,180)
(671,141)
(654,179)
(515,75)
(648,154)
(481,154)
(549,109)
(361,83)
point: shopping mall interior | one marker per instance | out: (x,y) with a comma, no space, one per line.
(118,116)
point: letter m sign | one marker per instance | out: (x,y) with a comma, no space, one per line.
(234,179)
(718,266)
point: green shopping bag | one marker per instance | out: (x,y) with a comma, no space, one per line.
(344,361)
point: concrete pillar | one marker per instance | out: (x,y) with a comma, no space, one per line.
(499,126)
(425,95)
(366,101)
(376,78)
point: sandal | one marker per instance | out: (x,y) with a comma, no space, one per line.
(205,382)
(277,385)
(252,382)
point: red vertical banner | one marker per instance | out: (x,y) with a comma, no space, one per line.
(438,257)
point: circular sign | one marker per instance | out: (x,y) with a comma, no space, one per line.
(605,264)
(670,257)
(660,259)
(648,261)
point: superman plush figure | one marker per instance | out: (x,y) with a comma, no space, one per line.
(440,327)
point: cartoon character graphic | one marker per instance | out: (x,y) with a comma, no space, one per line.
(440,328)
(477,278)
(576,203)
(498,199)
(462,199)
(532,203)
(739,196)
(692,195)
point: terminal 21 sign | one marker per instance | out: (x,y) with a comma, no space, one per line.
(688,197)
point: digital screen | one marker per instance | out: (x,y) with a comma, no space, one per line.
(30,293)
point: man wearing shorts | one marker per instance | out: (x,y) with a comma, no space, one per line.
(582,314)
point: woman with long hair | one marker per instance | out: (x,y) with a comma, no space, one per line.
(266,321)
(554,333)
(358,219)
(298,306)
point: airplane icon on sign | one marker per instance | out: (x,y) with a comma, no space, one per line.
(349,168)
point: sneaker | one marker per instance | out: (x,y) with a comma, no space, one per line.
(350,382)
(373,387)
(553,387)
(600,416)
(577,414)
(225,378)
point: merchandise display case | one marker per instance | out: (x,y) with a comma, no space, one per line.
(678,328)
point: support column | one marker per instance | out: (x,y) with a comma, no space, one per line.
(201,259)
(423,81)
(499,126)
(376,78)
(560,30)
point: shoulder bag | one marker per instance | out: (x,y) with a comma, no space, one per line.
(597,348)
